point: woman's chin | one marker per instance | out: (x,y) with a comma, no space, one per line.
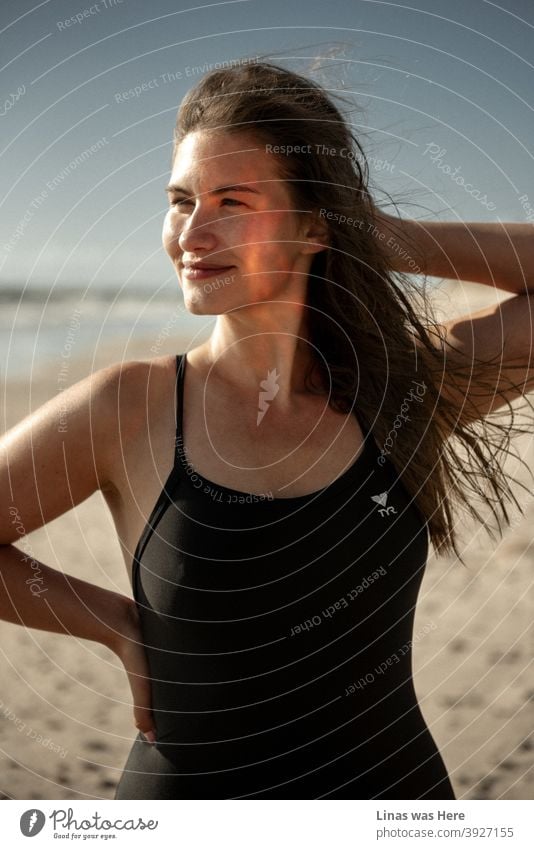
(203,305)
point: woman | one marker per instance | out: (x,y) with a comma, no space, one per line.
(279,485)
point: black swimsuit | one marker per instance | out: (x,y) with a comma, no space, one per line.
(278,635)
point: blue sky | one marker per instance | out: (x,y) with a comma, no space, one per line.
(441,85)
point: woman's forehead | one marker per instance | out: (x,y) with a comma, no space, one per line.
(218,158)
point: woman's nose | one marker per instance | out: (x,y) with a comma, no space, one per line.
(198,233)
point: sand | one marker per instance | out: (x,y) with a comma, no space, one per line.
(66,723)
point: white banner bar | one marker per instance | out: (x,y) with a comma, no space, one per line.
(257,824)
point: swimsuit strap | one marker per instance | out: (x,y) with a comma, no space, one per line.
(365,430)
(179,411)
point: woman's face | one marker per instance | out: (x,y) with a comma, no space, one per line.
(230,230)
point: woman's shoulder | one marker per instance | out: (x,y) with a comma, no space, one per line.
(133,382)
(133,394)
(139,410)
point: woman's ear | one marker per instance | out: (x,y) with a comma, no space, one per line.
(317,234)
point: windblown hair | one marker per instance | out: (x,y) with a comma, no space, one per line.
(381,351)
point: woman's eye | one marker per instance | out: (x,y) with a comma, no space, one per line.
(184,201)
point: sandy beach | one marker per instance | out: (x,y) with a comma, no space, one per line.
(66,724)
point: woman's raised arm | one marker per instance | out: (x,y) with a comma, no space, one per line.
(497,254)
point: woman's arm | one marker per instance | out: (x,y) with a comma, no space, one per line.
(37,596)
(500,255)
(501,332)
(51,461)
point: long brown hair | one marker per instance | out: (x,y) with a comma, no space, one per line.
(363,316)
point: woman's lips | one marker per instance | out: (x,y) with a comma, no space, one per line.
(196,273)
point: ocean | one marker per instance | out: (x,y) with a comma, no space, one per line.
(42,326)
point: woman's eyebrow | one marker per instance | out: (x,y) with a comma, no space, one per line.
(234,188)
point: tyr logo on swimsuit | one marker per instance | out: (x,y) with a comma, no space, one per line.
(382,499)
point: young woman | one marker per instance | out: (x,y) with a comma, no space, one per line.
(280,484)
